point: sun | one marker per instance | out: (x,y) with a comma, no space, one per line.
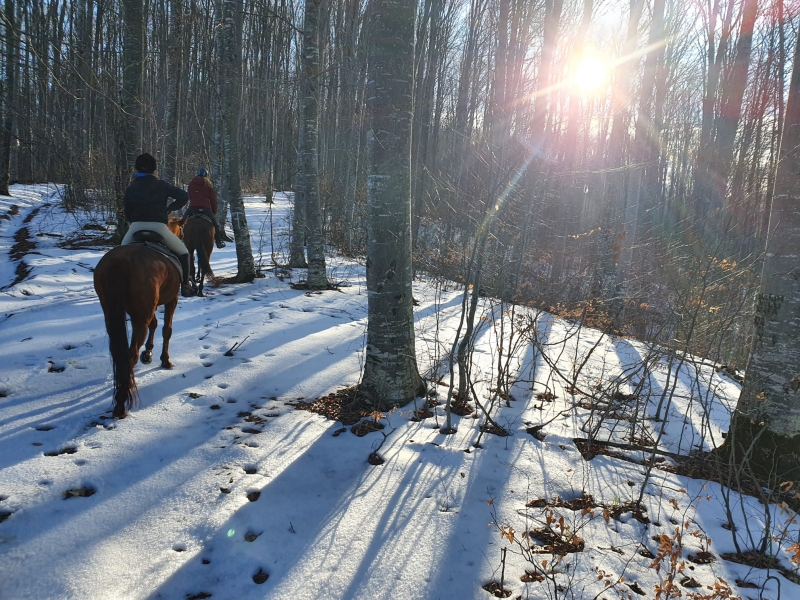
(590,73)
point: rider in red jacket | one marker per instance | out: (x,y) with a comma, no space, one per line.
(203,200)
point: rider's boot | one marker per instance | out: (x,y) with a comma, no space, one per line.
(218,237)
(186,289)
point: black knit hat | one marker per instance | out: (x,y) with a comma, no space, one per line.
(145,163)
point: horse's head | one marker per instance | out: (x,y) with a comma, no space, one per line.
(174,224)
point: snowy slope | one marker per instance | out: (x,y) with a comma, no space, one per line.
(215,477)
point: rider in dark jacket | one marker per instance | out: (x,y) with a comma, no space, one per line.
(146,208)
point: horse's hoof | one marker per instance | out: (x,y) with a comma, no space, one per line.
(200,293)
(165,364)
(120,413)
(147,357)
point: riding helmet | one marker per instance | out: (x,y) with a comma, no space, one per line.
(202,172)
(145,163)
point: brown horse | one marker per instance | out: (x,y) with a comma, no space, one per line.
(134,280)
(198,234)
(175,225)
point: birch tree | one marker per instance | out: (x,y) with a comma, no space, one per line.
(307,193)
(767,420)
(390,376)
(229,60)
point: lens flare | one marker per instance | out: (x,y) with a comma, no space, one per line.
(590,73)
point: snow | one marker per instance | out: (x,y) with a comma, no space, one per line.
(189,501)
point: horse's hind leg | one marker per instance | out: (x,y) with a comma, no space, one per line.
(202,280)
(147,355)
(166,332)
(139,327)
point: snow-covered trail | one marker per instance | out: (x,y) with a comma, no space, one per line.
(215,477)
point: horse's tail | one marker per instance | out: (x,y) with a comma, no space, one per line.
(114,310)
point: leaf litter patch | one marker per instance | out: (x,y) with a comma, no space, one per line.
(345,405)
(586,503)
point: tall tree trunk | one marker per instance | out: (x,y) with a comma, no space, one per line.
(767,418)
(731,96)
(716,54)
(8,94)
(175,70)
(390,376)
(645,144)
(308,148)
(229,80)
(612,237)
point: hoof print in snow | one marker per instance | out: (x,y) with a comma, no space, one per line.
(225,490)
(646,553)
(206,561)
(55,367)
(253,496)
(208,364)
(4,393)
(44,428)
(179,547)
(198,596)
(366,427)
(83,492)
(67,450)
(195,395)
(4,514)
(250,469)
(260,577)
(375,459)
(215,407)
(636,589)
(495,590)
(339,431)
(250,536)
(250,430)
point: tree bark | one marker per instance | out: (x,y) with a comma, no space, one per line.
(390,376)
(230,96)
(8,95)
(767,418)
(308,193)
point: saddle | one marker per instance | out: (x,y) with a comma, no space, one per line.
(200,215)
(155,241)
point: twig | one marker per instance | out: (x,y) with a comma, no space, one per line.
(236,346)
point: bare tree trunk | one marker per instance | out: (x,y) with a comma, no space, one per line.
(767,418)
(175,68)
(8,95)
(229,81)
(308,193)
(390,376)
(731,96)
(646,138)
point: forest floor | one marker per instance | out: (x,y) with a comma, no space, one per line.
(217,486)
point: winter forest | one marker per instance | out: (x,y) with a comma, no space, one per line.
(555,225)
